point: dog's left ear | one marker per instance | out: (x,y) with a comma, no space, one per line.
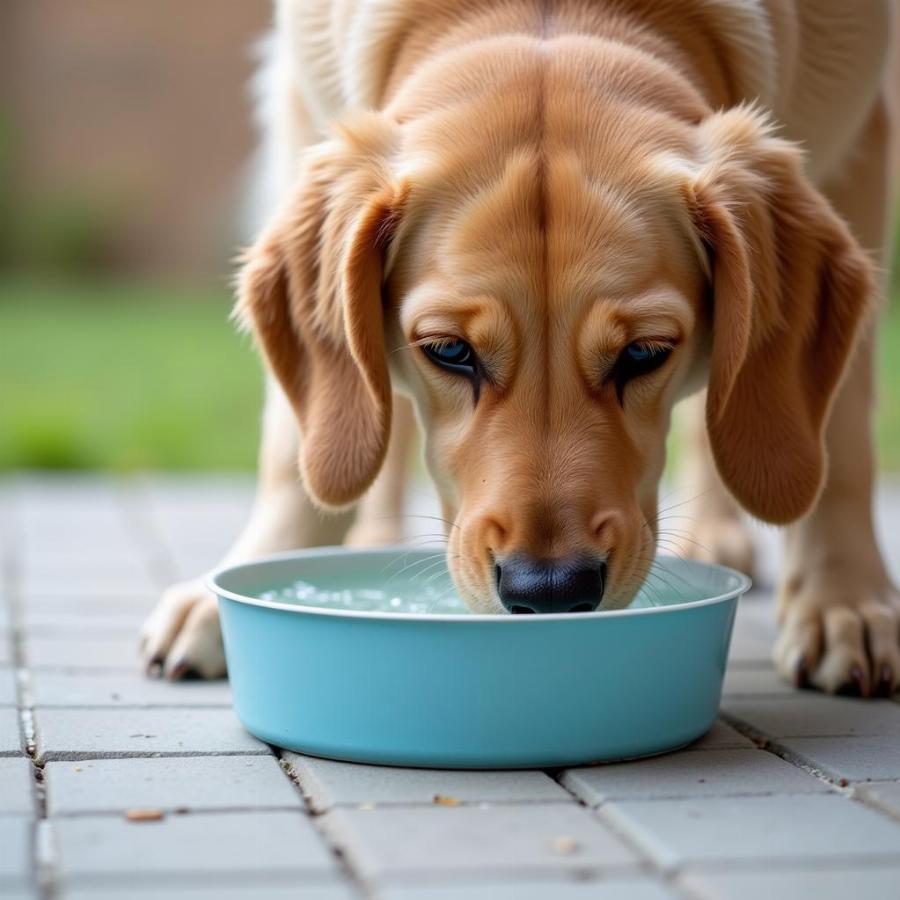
(790,289)
(312,291)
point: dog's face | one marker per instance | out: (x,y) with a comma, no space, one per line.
(544,336)
(545,309)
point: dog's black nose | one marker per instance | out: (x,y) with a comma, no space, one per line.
(528,585)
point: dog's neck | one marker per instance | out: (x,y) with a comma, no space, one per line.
(679,34)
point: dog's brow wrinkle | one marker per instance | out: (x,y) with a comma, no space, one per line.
(543,224)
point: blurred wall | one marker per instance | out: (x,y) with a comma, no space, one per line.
(126,126)
(135,116)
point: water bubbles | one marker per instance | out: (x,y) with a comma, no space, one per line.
(412,597)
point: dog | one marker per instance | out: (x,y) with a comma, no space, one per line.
(536,225)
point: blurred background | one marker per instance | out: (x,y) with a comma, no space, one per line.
(125,137)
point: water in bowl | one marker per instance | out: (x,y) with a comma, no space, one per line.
(436,597)
(424,589)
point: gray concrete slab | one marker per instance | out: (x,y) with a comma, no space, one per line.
(717,773)
(90,733)
(881,795)
(726,831)
(265,844)
(849,758)
(10,737)
(95,553)
(722,737)
(762,682)
(7,686)
(807,714)
(327,783)
(81,651)
(254,889)
(6,650)
(529,839)
(15,852)
(807,883)
(606,889)
(51,687)
(168,783)
(16,786)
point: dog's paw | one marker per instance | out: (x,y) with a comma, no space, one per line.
(839,636)
(725,540)
(182,636)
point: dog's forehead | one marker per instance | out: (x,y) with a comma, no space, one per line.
(547,233)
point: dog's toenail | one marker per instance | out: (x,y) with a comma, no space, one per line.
(179,670)
(154,667)
(801,673)
(856,673)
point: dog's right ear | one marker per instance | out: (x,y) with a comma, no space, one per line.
(311,291)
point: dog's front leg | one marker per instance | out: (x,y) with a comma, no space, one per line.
(703,522)
(182,634)
(837,607)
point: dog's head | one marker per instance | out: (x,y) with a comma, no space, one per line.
(545,288)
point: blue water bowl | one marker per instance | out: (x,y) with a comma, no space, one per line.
(369,656)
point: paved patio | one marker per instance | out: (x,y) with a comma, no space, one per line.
(790,796)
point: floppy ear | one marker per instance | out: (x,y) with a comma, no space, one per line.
(311,290)
(790,289)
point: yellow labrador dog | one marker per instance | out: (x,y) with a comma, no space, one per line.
(545,222)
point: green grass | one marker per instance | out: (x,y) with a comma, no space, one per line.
(126,376)
(888,420)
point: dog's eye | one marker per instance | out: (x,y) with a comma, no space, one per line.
(454,355)
(638,358)
(641,358)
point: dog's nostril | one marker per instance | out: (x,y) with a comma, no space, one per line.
(522,611)
(582,607)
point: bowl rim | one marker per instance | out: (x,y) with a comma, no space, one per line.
(744,584)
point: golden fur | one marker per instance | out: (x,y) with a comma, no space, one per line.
(551,181)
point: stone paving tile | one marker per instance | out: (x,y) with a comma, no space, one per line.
(762,682)
(863,883)
(727,830)
(92,688)
(110,577)
(722,737)
(886,796)
(15,786)
(607,889)
(327,783)
(807,714)
(428,841)
(87,606)
(118,623)
(168,783)
(262,843)
(15,852)
(716,773)
(89,733)
(57,652)
(5,648)
(851,758)
(255,890)
(750,646)
(10,737)
(7,686)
